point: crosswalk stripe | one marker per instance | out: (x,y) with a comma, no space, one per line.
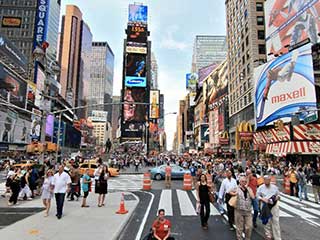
(296,211)
(186,206)
(166,202)
(213,209)
(294,199)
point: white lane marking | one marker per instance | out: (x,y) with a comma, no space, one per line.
(186,206)
(166,202)
(291,198)
(144,220)
(298,212)
(213,210)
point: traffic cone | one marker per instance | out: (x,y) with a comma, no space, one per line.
(122,208)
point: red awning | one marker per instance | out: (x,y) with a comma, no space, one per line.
(279,149)
(311,147)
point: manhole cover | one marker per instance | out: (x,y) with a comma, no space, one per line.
(129,197)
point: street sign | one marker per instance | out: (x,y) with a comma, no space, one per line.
(310,118)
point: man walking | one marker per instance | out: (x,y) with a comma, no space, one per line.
(253,184)
(269,195)
(168,175)
(315,181)
(61,183)
(228,185)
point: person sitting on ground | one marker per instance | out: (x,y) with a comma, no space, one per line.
(161,227)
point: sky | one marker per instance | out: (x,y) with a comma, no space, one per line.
(173,25)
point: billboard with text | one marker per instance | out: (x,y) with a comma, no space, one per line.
(138,13)
(136,71)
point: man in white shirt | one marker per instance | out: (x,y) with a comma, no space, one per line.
(228,185)
(61,181)
(269,194)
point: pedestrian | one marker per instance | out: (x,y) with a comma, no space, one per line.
(302,184)
(62,184)
(136,164)
(293,182)
(228,185)
(47,191)
(161,227)
(268,194)
(253,184)
(75,177)
(315,181)
(13,181)
(101,187)
(193,172)
(86,181)
(25,192)
(203,190)
(168,171)
(217,183)
(243,208)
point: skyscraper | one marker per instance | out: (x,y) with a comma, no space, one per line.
(154,72)
(18,24)
(102,70)
(70,45)
(245,36)
(207,50)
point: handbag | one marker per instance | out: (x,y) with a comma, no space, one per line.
(233,201)
(211,197)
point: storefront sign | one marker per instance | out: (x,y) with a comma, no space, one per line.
(12,22)
(41,23)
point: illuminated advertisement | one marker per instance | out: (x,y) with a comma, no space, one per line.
(205,72)
(154,104)
(41,22)
(49,125)
(138,13)
(136,71)
(132,130)
(285,86)
(290,22)
(132,111)
(12,22)
(137,33)
(204,133)
(35,129)
(31,93)
(191,80)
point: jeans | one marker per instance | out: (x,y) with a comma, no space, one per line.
(59,202)
(255,205)
(220,206)
(230,210)
(204,214)
(303,189)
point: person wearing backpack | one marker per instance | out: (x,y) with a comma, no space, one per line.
(302,184)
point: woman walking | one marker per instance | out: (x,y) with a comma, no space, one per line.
(203,199)
(47,191)
(101,187)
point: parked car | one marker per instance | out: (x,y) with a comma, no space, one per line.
(113,172)
(159,173)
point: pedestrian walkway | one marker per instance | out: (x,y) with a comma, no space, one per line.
(77,222)
(290,207)
(125,183)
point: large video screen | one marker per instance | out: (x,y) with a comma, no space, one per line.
(138,13)
(289,22)
(136,71)
(132,130)
(131,110)
(137,33)
(285,86)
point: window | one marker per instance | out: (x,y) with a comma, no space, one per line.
(259,7)
(261,34)
(260,20)
(247,40)
(249,97)
(245,100)
(262,49)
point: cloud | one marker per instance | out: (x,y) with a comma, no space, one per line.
(169,42)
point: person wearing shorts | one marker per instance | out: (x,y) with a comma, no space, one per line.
(86,181)
(168,175)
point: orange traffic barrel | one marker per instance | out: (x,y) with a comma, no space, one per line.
(146,181)
(187,182)
(286,185)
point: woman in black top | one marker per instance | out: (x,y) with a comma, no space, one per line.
(203,199)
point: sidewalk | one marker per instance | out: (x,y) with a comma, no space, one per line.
(76,223)
(131,170)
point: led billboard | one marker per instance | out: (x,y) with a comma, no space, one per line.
(285,86)
(131,110)
(136,71)
(138,13)
(290,22)
(154,104)
(132,130)
(191,80)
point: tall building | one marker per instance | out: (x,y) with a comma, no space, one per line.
(84,70)
(18,20)
(101,127)
(246,48)
(154,72)
(101,81)
(116,110)
(69,56)
(207,50)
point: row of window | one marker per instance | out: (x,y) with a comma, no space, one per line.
(242,103)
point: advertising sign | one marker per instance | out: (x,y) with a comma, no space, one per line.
(285,86)
(31,93)
(204,133)
(35,129)
(12,22)
(291,22)
(154,104)
(136,49)
(205,72)
(191,80)
(13,129)
(49,125)
(41,22)
(132,130)
(138,13)
(132,111)
(136,71)
(137,33)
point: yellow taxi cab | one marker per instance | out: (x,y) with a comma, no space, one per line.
(113,172)
(25,164)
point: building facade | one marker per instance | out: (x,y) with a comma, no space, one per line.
(207,50)
(102,71)
(154,72)
(70,45)
(246,49)
(101,127)
(116,110)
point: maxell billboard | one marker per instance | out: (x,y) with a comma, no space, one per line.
(285,86)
